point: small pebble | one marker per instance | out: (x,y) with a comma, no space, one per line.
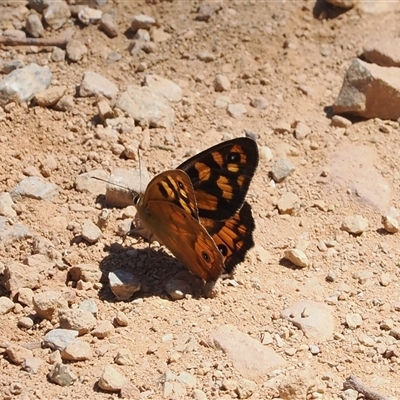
(355,224)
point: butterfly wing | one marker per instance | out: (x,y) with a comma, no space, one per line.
(233,237)
(221,177)
(168,210)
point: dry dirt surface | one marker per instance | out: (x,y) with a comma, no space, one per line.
(295,60)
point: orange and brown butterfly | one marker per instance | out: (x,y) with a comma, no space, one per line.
(198,210)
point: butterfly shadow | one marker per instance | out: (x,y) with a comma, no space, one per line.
(153,268)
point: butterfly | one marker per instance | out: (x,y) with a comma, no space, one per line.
(198,210)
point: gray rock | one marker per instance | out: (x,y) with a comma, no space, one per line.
(314,319)
(87,183)
(141,38)
(58,54)
(145,106)
(123,284)
(249,356)
(164,87)
(89,305)
(281,169)
(58,339)
(76,50)
(34,26)
(355,224)
(47,304)
(57,14)
(62,374)
(6,305)
(23,83)
(111,380)
(259,102)
(370,91)
(142,21)
(222,102)
(94,84)
(35,188)
(206,10)
(79,320)
(109,26)
(384,52)
(6,204)
(236,110)
(91,232)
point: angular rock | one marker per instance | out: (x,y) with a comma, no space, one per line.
(236,110)
(221,83)
(103,329)
(91,232)
(384,52)
(77,350)
(123,284)
(369,91)
(47,304)
(17,275)
(62,374)
(111,380)
(108,25)
(58,339)
(32,364)
(89,15)
(57,14)
(87,182)
(281,169)
(259,102)
(23,83)
(94,84)
(76,50)
(34,26)
(50,96)
(390,224)
(145,106)
(297,257)
(296,385)
(164,87)
(249,356)
(355,224)
(288,203)
(18,354)
(314,319)
(79,320)
(86,273)
(34,188)
(125,357)
(142,21)
(6,204)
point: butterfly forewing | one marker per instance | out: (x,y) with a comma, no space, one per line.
(173,186)
(233,237)
(221,177)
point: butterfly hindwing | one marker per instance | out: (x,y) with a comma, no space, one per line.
(233,237)
(168,210)
(221,177)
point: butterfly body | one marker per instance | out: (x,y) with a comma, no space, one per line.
(198,211)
